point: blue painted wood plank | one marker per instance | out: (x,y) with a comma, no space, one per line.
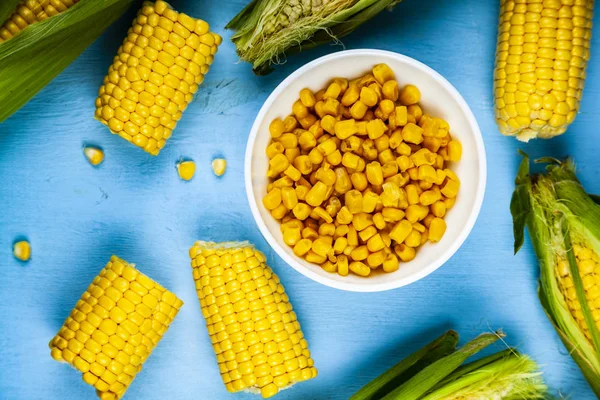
(135,206)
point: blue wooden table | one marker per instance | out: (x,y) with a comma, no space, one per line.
(135,206)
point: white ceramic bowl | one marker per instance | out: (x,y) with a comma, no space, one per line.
(438,98)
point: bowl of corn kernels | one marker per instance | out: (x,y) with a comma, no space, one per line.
(365,170)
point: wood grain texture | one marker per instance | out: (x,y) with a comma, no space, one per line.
(135,206)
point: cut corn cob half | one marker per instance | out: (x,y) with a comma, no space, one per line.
(29,12)
(255,334)
(541,57)
(155,75)
(114,327)
(564,225)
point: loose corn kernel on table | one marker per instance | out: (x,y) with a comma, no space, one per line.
(136,206)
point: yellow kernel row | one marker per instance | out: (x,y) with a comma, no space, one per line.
(114,327)
(155,75)
(255,333)
(359,174)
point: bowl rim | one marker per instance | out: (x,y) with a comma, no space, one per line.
(458,240)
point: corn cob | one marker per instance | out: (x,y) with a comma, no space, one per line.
(31,11)
(564,225)
(114,327)
(542,53)
(155,75)
(255,334)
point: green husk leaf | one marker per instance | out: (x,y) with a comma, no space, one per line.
(558,204)
(472,366)
(505,375)
(7,7)
(520,205)
(428,377)
(257,44)
(408,367)
(34,57)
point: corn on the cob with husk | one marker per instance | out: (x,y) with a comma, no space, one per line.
(29,12)
(114,327)
(269,30)
(435,372)
(39,38)
(253,328)
(564,226)
(541,57)
(155,75)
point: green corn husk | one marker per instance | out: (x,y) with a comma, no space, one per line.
(30,60)
(505,375)
(562,219)
(408,367)
(269,30)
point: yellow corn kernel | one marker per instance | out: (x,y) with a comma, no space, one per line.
(375,243)
(383,73)
(415,111)
(376,128)
(274,148)
(368,97)
(450,188)
(302,210)
(359,253)
(401,116)
(353,200)
(307,98)
(289,197)
(302,247)
(273,199)
(345,129)
(327,147)
(374,173)
(422,157)
(358,110)
(390,90)
(331,107)
(412,133)
(352,236)
(369,202)
(413,213)
(359,268)
(317,194)
(342,265)
(391,214)
(391,263)
(413,239)
(426,172)
(361,221)
(288,140)
(405,252)
(95,155)
(438,209)
(454,150)
(389,169)
(387,108)
(303,165)
(409,95)
(322,245)
(219,165)
(186,170)
(334,158)
(401,230)
(290,123)
(320,213)
(379,221)
(278,164)
(22,250)
(340,244)
(437,228)
(367,233)
(276,128)
(292,236)
(299,110)
(351,160)
(344,216)
(376,259)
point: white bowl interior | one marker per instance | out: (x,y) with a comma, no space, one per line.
(438,98)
